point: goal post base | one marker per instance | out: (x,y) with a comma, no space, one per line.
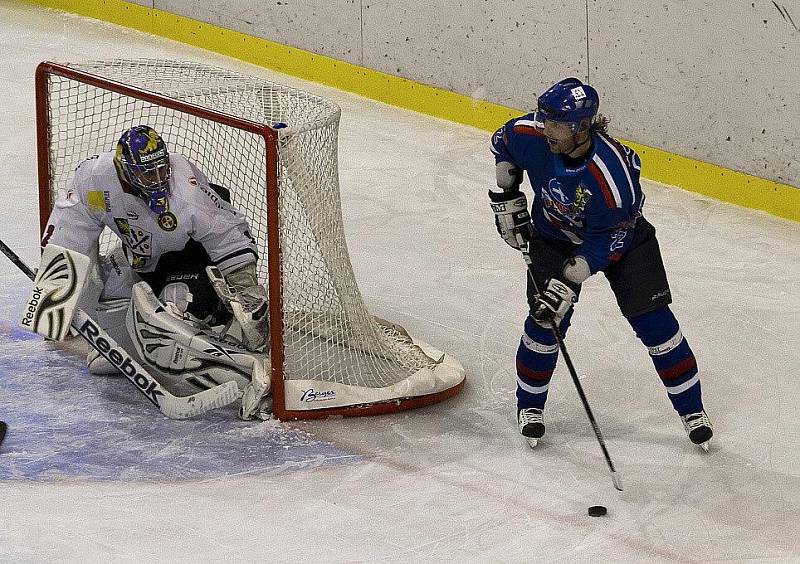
(385,408)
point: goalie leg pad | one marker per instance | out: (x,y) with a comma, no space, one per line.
(110,315)
(177,345)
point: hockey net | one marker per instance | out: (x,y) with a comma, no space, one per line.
(329,354)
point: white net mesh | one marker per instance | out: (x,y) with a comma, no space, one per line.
(328,334)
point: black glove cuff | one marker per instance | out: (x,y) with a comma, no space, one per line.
(499,197)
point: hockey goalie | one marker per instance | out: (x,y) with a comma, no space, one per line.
(180,287)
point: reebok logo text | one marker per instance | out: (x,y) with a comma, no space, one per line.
(32,304)
(120,359)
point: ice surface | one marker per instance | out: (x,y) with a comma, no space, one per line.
(92,472)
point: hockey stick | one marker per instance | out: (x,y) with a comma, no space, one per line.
(560,339)
(174,407)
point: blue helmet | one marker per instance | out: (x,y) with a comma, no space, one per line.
(569,101)
(142,161)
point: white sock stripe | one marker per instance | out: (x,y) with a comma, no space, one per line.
(674,390)
(532,389)
(667,346)
(538,347)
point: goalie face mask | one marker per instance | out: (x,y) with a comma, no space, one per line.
(142,161)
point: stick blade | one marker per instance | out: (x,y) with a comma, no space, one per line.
(617,481)
(185,407)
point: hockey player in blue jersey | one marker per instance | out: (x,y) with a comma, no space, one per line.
(587,218)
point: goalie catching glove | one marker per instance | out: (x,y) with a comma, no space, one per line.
(243,296)
(511,217)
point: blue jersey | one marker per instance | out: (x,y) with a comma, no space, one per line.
(593,205)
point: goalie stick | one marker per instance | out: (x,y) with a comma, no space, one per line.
(524,247)
(174,407)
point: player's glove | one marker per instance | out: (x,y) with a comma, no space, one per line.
(553,303)
(511,216)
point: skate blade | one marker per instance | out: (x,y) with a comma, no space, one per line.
(704,446)
(532,442)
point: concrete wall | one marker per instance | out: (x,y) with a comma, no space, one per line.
(717,81)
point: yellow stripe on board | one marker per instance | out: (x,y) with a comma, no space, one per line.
(721,183)
(661,166)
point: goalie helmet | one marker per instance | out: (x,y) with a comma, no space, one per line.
(142,161)
(569,101)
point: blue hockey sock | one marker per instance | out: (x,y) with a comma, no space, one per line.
(537,355)
(672,358)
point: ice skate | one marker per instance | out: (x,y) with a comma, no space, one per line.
(531,424)
(698,426)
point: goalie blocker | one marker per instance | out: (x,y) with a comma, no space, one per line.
(56,290)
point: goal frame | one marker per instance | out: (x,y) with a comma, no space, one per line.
(274,271)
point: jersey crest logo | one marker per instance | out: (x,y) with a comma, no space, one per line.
(139,241)
(167,221)
(123,225)
(554,187)
(582,196)
(138,262)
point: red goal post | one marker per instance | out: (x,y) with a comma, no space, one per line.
(329,356)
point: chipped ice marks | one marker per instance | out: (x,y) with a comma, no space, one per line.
(46,303)
(787,17)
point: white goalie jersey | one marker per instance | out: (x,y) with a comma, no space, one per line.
(96,199)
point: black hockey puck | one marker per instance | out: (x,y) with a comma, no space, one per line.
(597,510)
(3,428)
